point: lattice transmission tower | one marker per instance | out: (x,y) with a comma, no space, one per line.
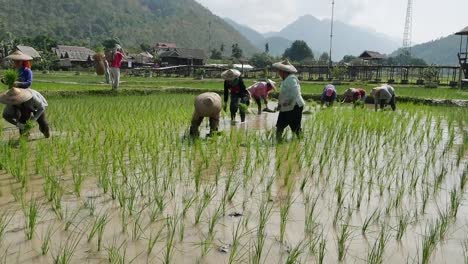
(408,28)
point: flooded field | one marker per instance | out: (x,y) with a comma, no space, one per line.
(128,186)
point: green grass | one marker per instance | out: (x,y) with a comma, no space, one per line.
(68,81)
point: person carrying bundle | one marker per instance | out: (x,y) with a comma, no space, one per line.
(353,95)
(234,85)
(328,95)
(384,95)
(206,105)
(259,91)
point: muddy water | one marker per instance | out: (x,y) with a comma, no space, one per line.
(14,248)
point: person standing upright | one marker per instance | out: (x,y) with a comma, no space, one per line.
(116,63)
(290,101)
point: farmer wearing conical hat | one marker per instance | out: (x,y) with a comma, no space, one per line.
(384,95)
(290,101)
(354,94)
(328,95)
(23,66)
(259,91)
(234,85)
(29,105)
(206,105)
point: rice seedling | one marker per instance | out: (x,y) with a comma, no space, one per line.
(153,239)
(115,254)
(45,245)
(67,250)
(187,202)
(376,254)
(342,242)
(90,204)
(285,206)
(70,217)
(5,219)
(454,202)
(465,251)
(429,242)
(403,222)
(97,228)
(171,227)
(208,195)
(321,250)
(237,234)
(295,253)
(31,213)
(369,220)
(264,214)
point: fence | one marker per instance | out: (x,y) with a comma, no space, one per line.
(447,75)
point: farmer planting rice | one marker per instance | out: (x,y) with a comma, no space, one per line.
(384,95)
(28,105)
(206,105)
(328,95)
(259,91)
(353,95)
(24,80)
(234,85)
(290,101)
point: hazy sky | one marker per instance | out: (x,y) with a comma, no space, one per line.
(431,18)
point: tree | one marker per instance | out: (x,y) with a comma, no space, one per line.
(267,48)
(145,47)
(261,60)
(348,58)
(324,58)
(222,48)
(298,51)
(216,54)
(109,44)
(236,51)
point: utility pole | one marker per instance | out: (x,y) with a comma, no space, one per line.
(331,37)
(209,36)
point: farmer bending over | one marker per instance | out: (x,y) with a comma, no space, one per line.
(328,95)
(206,105)
(234,85)
(28,104)
(259,91)
(384,95)
(354,94)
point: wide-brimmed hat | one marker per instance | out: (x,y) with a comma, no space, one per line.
(285,66)
(118,47)
(230,75)
(19,56)
(15,96)
(272,83)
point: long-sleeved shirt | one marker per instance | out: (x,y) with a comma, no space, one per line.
(37,104)
(382,93)
(290,94)
(25,78)
(260,89)
(234,87)
(117,60)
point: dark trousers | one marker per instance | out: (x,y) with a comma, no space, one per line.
(258,101)
(234,106)
(292,119)
(197,120)
(392,104)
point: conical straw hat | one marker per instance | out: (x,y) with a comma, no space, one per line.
(230,75)
(285,66)
(15,96)
(19,56)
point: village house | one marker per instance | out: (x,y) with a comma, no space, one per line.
(72,56)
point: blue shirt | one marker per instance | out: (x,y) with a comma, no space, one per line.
(25,77)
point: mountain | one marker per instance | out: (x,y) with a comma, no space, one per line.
(134,22)
(442,51)
(276,44)
(347,39)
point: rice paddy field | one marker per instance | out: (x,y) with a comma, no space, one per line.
(120,182)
